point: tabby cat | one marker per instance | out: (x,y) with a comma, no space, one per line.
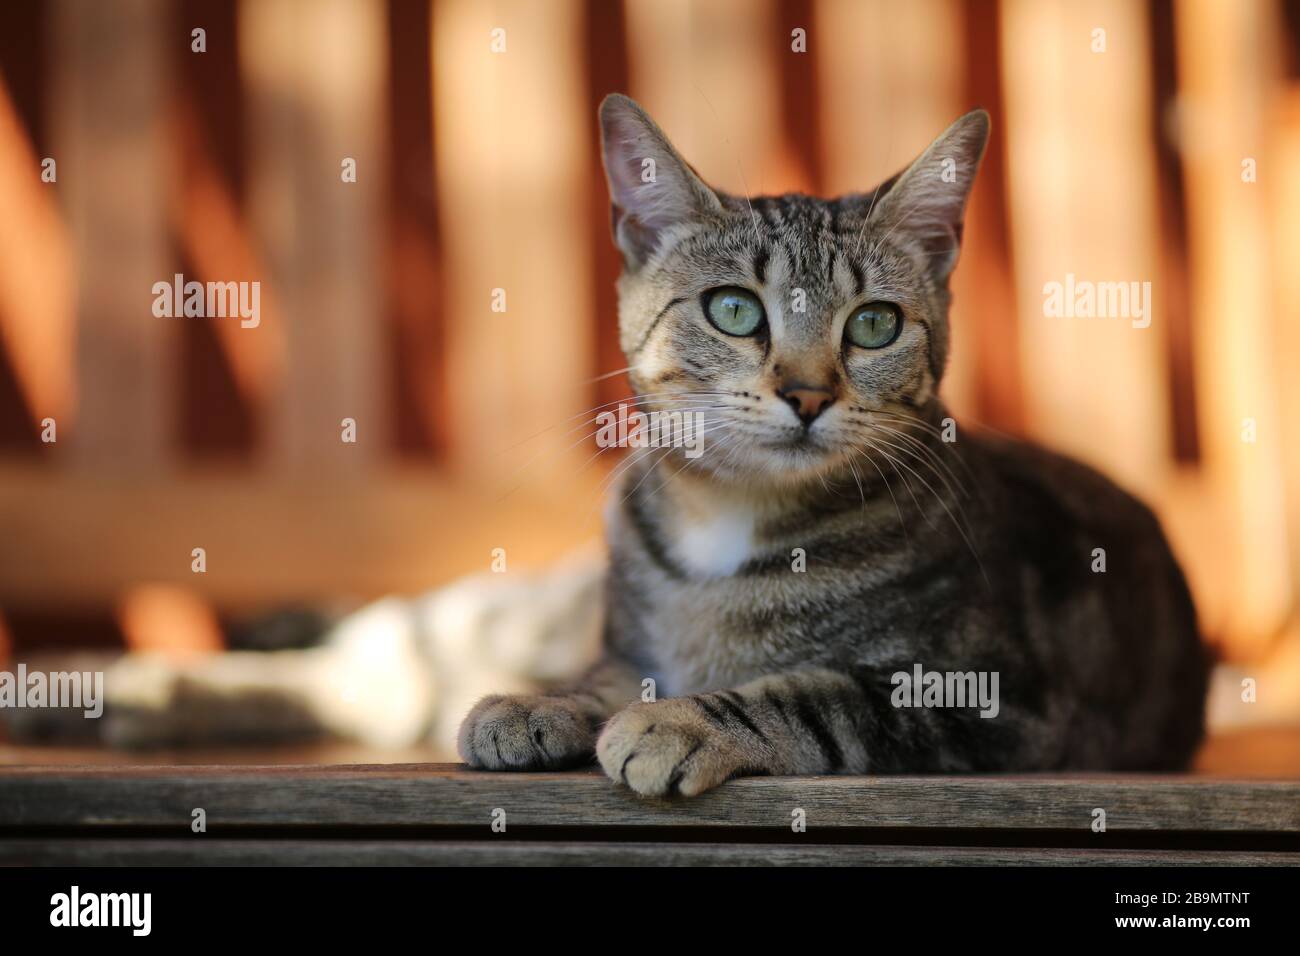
(798,599)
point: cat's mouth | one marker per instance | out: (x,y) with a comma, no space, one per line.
(802,444)
(798,436)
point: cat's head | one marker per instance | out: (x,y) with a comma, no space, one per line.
(786,320)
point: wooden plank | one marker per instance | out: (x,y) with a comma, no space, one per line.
(985,378)
(315,78)
(417,312)
(1083,204)
(1226,84)
(880,112)
(512,140)
(225,370)
(108,92)
(707,73)
(1171,197)
(605,52)
(450,795)
(215,241)
(82,541)
(1284,214)
(206,851)
(801,122)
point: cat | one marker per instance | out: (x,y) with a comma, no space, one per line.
(789,593)
(769,602)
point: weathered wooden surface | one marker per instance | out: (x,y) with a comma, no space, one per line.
(445,795)
(203,851)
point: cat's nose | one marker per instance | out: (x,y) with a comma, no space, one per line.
(807,402)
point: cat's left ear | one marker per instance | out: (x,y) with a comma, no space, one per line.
(928,200)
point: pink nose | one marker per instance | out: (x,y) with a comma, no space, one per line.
(807,403)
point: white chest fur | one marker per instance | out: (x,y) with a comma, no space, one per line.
(714,541)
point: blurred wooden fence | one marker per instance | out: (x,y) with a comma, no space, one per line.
(477,170)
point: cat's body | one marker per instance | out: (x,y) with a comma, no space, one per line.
(1082,684)
(841,531)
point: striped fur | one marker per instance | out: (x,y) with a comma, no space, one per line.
(772,588)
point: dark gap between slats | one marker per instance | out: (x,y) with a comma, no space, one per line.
(1262,842)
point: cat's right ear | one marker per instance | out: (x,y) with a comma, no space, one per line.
(927,200)
(651,188)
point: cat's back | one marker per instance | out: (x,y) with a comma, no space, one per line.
(1081,491)
(1118,621)
(1076,527)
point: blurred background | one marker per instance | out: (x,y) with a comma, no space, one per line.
(1134,141)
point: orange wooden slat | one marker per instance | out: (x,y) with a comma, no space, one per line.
(1226,77)
(708,74)
(512,152)
(1283,203)
(1084,216)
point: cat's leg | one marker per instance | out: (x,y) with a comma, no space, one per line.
(805,722)
(548,730)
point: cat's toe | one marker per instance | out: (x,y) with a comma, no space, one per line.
(525,733)
(665,749)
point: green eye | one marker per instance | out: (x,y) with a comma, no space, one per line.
(734,311)
(874,325)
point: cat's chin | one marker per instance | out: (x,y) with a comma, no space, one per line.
(797,456)
(799,448)
(795,459)
(771,462)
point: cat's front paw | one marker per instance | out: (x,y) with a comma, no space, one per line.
(526,733)
(667,748)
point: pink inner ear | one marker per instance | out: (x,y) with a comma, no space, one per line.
(625,146)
